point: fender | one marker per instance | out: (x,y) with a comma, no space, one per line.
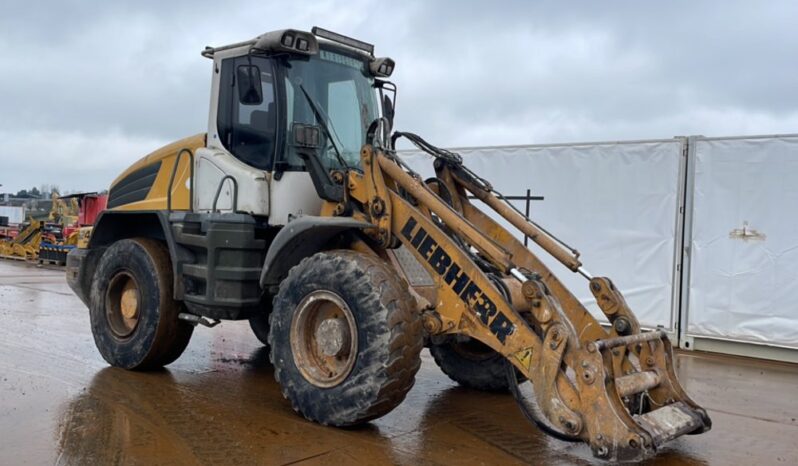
(301,238)
(113,225)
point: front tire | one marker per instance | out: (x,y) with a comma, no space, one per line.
(345,338)
(133,316)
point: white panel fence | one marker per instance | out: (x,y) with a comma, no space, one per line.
(726,208)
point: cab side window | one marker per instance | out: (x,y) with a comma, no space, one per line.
(247,114)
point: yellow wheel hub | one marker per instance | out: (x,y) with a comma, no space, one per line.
(122,304)
(129,302)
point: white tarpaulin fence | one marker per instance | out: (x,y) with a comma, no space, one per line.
(614,202)
(743,282)
(628,207)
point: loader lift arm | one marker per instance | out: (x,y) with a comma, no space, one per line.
(614,389)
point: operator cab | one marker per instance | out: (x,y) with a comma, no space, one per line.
(263,92)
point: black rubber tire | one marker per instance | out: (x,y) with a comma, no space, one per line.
(259,324)
(389,336)
(160,337)
(471,364)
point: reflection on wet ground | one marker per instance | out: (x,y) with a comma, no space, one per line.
(219,404)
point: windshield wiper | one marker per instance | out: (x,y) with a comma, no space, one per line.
(326,124)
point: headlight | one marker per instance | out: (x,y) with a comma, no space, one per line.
(382,67)
(289,41)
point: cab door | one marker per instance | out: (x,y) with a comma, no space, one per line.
(242,138)
(292,190)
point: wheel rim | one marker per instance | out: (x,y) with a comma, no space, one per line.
(123,304)
(324,338)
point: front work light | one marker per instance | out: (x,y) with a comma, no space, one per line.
(382,67)
(342,39)
(289,41)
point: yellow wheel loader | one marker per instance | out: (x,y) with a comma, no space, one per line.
(294,211)
(24,246)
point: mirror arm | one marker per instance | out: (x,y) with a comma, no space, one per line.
(325,187)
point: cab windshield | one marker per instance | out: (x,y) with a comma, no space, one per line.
(340,86)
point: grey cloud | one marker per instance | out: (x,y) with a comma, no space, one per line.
(102,83)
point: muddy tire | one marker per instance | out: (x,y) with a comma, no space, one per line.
(345,338)
(260,327)
(471,364)
(133,316)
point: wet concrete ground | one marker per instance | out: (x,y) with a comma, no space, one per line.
(218,404)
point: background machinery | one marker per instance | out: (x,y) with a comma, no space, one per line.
(50,240)
(295,212)
(25,244)
(82,213)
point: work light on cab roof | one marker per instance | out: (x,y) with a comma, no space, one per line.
(297,42)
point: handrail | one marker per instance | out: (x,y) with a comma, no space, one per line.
(219,191)
(190,178)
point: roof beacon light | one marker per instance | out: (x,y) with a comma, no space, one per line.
(342,39)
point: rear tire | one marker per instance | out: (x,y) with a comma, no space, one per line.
(471,364)
(133,316)
(345,338)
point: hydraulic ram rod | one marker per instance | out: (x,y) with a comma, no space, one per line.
(539,237)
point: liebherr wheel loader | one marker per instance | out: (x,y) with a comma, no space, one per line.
(295,211)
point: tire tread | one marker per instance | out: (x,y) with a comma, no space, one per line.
(395,317)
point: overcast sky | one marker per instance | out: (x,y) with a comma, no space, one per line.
(87,87)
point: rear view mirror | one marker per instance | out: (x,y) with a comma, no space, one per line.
(250,91)
(388,110)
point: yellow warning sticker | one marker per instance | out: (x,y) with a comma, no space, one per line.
(524,357)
